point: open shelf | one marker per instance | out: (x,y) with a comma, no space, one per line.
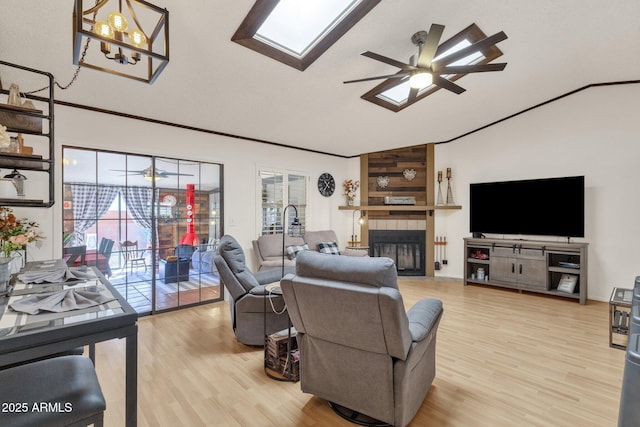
(38,123)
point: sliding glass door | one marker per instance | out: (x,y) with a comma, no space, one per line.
(150,224)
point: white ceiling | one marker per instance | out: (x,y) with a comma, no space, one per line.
(210,82)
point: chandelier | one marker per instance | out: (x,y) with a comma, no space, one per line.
(134,39)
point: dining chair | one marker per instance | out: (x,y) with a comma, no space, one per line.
(105,249)
(75,255)
(132,255)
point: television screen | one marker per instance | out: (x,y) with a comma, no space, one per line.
(544,207)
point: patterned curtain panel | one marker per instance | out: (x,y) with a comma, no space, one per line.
(139,202)
(89,203)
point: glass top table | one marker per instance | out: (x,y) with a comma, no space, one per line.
(25,337)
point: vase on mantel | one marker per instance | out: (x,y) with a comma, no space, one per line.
(5,273)
(350,201)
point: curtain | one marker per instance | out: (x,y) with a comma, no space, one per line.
(90,203)
(139,202)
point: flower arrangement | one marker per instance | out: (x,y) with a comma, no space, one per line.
(15,233)
(350,188)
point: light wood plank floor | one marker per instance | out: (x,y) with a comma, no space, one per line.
(503,359)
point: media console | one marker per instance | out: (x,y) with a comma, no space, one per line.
(545,267)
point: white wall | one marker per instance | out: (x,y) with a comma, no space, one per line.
(75,127)
(595,133)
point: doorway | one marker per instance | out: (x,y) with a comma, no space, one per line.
(161,217)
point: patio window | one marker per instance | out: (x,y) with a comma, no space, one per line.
(156,207)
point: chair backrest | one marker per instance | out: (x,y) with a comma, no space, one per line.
(75,254)
(129,249)
(231,264)
(352,302)
(106,247)
(312,238)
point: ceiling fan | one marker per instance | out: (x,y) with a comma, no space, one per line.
(152,174)
(425,71)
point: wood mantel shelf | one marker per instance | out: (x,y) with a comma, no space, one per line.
(414,208)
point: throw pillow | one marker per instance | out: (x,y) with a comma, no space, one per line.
(328,248)
(293,250)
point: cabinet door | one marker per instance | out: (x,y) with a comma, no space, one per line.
(532,273)
(503,269)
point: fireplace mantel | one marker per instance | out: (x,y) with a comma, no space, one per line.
(412,208)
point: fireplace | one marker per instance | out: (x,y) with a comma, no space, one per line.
(405,247)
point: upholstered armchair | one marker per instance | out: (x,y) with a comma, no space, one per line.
(202,258)
(359,349)
(248,294)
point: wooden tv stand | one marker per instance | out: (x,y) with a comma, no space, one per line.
(527,265)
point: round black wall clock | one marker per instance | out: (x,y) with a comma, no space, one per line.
(326,184)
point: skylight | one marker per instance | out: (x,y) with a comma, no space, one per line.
(297,32)
(295,26)
(399,94)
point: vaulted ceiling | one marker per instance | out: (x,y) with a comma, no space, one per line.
(554,47)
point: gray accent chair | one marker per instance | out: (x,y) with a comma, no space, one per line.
(248,293)
(359,349)
(268,247)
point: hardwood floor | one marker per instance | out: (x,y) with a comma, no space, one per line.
(503,359)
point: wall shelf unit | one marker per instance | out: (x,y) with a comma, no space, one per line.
(527,265)
(36,124)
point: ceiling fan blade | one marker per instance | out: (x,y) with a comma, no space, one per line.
(430,46)
(446,84)
(390,76)
(128,172)
(477,46)
(473,68)
(386,60)
(165,173)
(412,95)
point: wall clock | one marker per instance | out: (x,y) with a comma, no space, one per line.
(169,200)
(326,184)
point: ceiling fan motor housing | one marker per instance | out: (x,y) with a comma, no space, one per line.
(419,38)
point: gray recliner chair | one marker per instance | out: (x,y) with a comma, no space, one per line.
(359,349)
(248,292)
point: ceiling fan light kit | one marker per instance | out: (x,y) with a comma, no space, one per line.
(436,65)
(420,80)
(133,36)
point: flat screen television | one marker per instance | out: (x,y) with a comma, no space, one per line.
(538,207)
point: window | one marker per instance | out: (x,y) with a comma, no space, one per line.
(393,93)
(132,214)
(277,190)
(298,32)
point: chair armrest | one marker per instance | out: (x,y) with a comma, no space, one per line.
(423,316)
(274,275)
